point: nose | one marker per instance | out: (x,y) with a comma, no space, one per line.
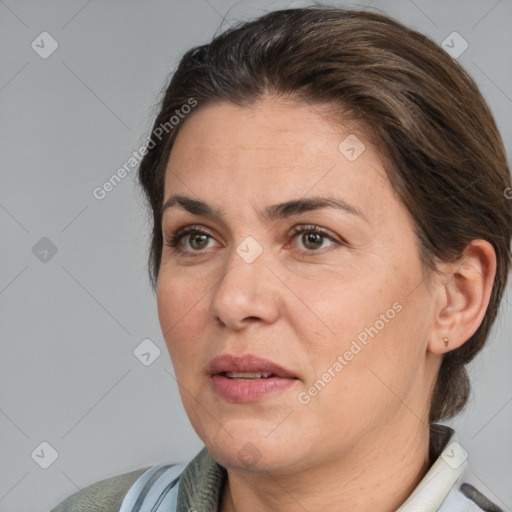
(247,292)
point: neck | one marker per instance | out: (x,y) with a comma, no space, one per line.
(379,474)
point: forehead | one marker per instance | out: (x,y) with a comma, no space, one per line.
(269,126)
(271,151)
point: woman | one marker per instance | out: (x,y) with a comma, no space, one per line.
(330,245)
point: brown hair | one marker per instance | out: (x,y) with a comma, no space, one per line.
(447,160)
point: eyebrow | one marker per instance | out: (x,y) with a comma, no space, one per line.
(270,213)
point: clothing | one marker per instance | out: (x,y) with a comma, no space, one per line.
(197,486)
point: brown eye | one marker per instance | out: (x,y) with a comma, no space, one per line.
(312,240)
(189,239)
(198,241)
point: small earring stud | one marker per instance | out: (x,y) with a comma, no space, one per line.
(446,341)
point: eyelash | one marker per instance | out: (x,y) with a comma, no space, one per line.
(173,241)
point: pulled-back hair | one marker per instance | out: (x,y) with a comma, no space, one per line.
(445,157)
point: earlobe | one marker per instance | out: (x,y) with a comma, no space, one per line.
(464,291)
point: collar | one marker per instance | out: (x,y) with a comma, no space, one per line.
(450,461)
(203,479)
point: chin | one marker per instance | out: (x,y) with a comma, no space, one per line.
(251,445)
(250,456)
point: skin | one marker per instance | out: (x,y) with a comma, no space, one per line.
(362,442)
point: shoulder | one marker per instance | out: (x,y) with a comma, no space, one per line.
(467,498)
(102,496)
(151,488)
(481,501)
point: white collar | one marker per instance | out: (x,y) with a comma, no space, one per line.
(441,478)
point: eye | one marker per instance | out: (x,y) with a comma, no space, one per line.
(195,236)
(313,237)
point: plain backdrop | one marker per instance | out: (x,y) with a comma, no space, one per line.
(78,85)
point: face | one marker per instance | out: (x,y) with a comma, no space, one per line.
(318,311)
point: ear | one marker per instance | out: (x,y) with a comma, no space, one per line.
(464,290)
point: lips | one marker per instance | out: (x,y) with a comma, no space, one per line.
(246,379)
(252,366)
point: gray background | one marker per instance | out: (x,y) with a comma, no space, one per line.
(69,325)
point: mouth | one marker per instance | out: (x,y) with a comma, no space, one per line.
(248,367)
(248,375)
(248,378)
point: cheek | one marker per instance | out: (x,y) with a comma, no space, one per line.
(369,318)
(337,308)
(182,315)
